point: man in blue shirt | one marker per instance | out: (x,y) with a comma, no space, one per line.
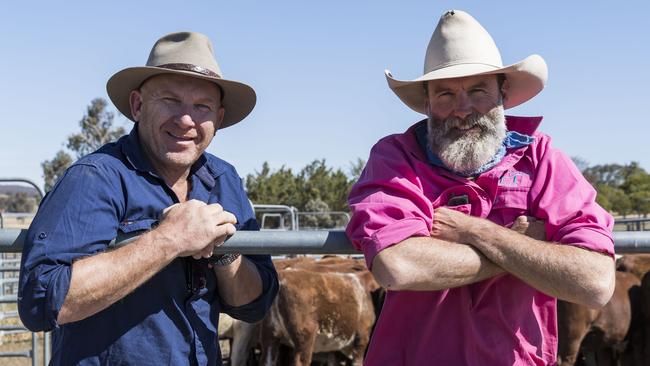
(155,301)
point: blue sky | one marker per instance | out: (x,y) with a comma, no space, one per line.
(318,67)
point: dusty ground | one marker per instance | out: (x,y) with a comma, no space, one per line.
(22,346)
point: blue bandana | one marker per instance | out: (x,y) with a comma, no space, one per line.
(513,140)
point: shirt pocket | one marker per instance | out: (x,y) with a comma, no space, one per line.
(510,203)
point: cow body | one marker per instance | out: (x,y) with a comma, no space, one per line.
(598,334)
(322,306)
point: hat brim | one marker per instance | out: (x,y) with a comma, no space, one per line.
(238,98)
(526,79)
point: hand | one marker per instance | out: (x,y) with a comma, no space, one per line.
(530,227)
(451,225)
(195,228)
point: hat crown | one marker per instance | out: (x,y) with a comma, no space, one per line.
(460,39)
(189,48)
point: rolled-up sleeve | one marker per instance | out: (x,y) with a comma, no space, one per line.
(387,203)
(257,309)
(563,198)
(76,219)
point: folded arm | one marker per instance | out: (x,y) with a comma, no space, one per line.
(429,264)
(567,272)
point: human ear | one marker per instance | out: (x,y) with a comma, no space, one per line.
(135,102)
(220,114)
(505,87)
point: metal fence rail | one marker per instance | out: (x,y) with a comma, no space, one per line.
(307,242)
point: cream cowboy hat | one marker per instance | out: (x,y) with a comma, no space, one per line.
(460,47)
(183,53)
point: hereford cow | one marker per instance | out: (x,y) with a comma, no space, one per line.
(598,334)
(639,264)
(322,306)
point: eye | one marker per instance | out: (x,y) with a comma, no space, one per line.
(203,107)
(170,100)
(445,94)
(478,91)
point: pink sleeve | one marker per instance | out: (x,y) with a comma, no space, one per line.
(387,203)
(562,197)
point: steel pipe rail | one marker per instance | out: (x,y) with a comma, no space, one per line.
(9,328)
(12,354)
(307,242)
(8,299)
(23,180)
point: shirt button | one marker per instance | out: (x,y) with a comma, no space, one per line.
(42,236)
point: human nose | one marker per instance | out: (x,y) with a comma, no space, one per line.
(184,118)
(464,105)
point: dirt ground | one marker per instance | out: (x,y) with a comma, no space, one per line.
(22,346)
(26,345)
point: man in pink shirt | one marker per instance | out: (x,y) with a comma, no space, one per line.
(434,210)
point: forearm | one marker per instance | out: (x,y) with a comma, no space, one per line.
(100,280)
(430,264)
(567,272)
(239,283)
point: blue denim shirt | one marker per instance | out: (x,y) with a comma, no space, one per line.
(164,321)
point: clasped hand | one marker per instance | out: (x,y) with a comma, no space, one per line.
(457,227)
(195,228)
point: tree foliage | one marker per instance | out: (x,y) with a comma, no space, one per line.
(96,130)
(623,189)
(17,202)
(316,187)
(54,169)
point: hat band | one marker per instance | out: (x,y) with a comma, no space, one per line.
(192,68)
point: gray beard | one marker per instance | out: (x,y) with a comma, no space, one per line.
(466,152)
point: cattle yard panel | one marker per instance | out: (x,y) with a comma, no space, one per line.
(248,242)
(10,327)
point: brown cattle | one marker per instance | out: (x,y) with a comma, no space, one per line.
(639,264)
(598,334)
(322,306)
(643,338)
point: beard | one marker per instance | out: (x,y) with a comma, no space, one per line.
(464,145)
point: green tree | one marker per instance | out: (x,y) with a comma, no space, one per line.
(96,130)
(54,169)
(621,188)
(266,187)
(18,202)
(317,180)
(316,185)
(356,168)
(613,199)
(318,217)
(581,163)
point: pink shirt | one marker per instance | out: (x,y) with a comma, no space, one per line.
(499,321)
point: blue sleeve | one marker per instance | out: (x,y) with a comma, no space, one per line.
(78,218)
(257,309)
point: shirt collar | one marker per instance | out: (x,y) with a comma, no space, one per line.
(132,150)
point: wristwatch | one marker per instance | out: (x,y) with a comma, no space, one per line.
(223,259)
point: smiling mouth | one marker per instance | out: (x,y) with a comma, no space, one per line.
(180,138)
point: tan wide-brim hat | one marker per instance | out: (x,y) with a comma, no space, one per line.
(461,47)
(183,53)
